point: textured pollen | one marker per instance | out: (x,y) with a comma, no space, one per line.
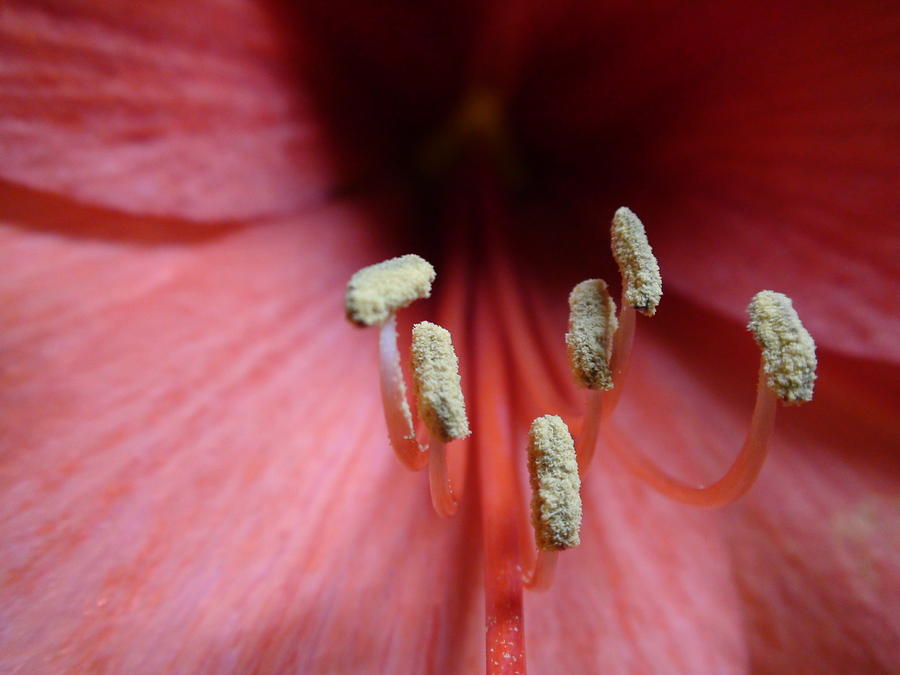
(592,325)
(637,264)
(375,292)
(555,486)
(788,350)
(436,374)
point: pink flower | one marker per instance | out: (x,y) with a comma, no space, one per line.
(195,475)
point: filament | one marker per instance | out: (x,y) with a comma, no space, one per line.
(739,477)
(442,496)
(540,578)
(601,404)
(393,397)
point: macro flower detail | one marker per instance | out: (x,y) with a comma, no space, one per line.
(194,470)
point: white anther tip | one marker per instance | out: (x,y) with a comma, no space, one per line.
(555,485)
(377,291)
(592,325)
(437,384)
(788,350)
(637,264)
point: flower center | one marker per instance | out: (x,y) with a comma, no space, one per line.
(477,125)
(599,346)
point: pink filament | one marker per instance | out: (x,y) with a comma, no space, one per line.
(442,497)
(541,576)
(393,397)
(621,356)
(601,404)
(586,442)
(740,475)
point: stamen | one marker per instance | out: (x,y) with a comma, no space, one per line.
(555,496)
(377,291)
(440,405)
(788,350)
(787,372)
(637,264)
(592,325)
(641,291)
(601,404)
(555,486)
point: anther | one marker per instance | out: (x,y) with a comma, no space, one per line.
(437,384)
(440,405)
(374,293)
(555,486)
(640,272)
(788,350)
(592,326)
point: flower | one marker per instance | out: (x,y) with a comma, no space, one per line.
(195,475)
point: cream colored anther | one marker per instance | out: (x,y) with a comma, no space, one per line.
(592,326)
(377,291)
(555,485)
(437,383)
(788,350)
(637,264)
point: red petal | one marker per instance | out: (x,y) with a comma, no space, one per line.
(757,141)
(797,575)
(813,556)
(195,469)
(784,177)
(152,109)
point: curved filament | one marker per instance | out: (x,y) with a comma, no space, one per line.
(442,497)
(541,576)
(586,442)
(393,397)
(737,480)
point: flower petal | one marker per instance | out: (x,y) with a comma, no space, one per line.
(795,576)
(155,110)
(195,473)
(757,142)
(808,565)
(784,177)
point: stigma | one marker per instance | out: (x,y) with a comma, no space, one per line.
(788,350)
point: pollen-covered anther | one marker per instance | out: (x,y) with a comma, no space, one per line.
(555,485)
(437,382)
(637,264)
(788,350)
(377,291)
(592,326)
